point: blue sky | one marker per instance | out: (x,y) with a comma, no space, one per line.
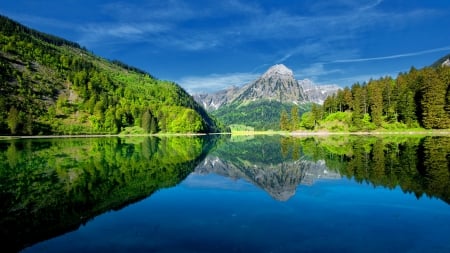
(209,45)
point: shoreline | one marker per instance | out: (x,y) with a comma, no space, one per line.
(7,137)
(326,133)
(294,133)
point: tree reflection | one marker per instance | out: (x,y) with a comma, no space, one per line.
(420,165)
(52,186)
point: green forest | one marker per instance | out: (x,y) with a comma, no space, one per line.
(417,99)
(260,115)
(49,85)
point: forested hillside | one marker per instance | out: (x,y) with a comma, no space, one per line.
(417,99)
(259,115)
(49,85)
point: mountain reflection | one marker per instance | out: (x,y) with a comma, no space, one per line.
(262,162)
(52,186)
(278,165)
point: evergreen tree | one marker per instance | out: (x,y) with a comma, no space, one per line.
(357,114)
(433,100)
(390,97)
(153,125)
(295,119)
(146,121)
(444,74)
(317,114)
(13,119)
(284,121)
(406,106)
(347,99)
(375,102)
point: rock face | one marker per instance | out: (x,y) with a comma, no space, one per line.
(446,63)
(276,84)
(213,101)
(279,180)
(317,93)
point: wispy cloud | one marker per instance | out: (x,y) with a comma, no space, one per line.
(122,30)
(316,70)
(166,11)
(164,24)
(215,82)
(395,56)
(370,5)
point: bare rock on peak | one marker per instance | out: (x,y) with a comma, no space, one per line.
(278,70)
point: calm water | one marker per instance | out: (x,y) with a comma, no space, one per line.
(238,194)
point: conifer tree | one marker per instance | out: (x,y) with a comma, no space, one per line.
(146,121)
(284,121)
(295,119)
(13,119)
(433,100)
(375,102)
(357,114)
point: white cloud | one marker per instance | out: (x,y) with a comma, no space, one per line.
(164,24)
(316,70)
(122,30)
(215,82)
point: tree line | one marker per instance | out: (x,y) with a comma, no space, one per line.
(416,99)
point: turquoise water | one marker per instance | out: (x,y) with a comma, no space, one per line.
(273,199)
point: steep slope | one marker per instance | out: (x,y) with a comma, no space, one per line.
(317,93)
(277,83)
(52,86)
(214,101)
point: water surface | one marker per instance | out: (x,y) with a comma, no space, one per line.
(246,194)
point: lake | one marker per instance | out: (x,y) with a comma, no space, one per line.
(226,194)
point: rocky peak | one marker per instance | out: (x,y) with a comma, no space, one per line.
(278,70)
(278,83)
(446,63)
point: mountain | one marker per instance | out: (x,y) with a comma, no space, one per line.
(260,103)
(317,93)
(443,61)
(276,84)
(213,101)
(50,85)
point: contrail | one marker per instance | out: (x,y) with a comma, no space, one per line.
(396,56)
